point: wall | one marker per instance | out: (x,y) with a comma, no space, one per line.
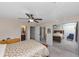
(10,28)
(58,27)
(37,33)
(28,32)
(49,38)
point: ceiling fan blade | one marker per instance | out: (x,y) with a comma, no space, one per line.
(38,19)
(28,21)
(32,16)
(22,18)
(27,15)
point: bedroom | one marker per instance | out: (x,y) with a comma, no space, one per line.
(64,37)
(10,25)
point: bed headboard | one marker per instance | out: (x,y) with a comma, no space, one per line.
(60,31)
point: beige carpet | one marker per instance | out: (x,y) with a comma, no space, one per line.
(63,50)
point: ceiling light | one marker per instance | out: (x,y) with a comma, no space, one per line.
(31,20)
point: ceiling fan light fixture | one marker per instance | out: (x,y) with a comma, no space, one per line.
(31,20)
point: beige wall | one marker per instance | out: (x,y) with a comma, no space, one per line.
(9,28)
(49,38)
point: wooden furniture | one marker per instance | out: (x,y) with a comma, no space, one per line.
(45,44)
(3,41)
(9,41)
(58,35)
(23,34)
(60,31)
(57,38)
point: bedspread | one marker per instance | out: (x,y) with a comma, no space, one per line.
(28,48)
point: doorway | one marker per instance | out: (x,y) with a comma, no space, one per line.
(32,32)
(64,39)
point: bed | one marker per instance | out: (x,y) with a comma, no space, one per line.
(28,48)
(58,35)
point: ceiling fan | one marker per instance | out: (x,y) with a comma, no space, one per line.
(31,18)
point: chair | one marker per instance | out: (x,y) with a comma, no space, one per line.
(70,37)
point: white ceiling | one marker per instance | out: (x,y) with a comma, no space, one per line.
(66,9)
(47,10)
(14,10)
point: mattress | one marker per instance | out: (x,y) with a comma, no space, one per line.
(58,35)
(28,48)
